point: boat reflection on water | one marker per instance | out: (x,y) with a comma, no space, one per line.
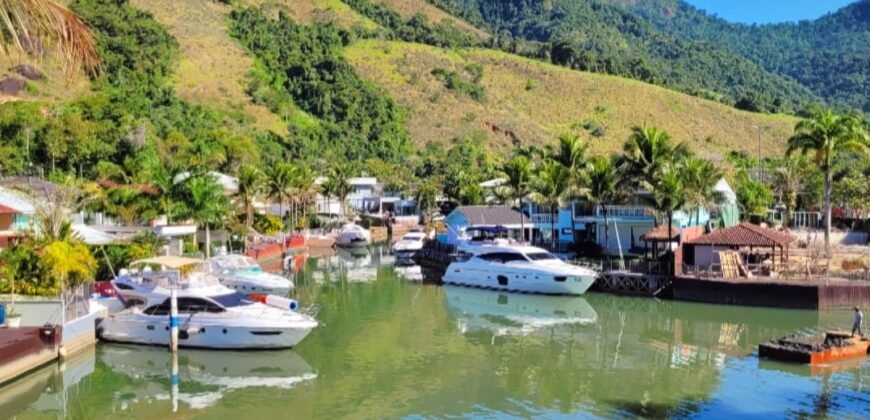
(513,313)
(48,389)
(359,264)
(199,378)
(409,272)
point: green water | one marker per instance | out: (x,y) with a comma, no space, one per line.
(389,347)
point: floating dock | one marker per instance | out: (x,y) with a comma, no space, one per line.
(816,349)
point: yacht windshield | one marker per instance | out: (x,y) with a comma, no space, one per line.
(232,299)
(541,256)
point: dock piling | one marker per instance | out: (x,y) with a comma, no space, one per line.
(173,321)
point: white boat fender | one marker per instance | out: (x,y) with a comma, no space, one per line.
(282,302)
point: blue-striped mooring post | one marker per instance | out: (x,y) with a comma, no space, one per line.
(173,379)
(173,320)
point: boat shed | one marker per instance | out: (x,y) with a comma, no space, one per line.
(750,241)
(465,218)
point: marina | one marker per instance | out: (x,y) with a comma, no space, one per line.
(394,347)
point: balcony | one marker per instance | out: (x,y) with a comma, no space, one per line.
(541,218)
(613,211)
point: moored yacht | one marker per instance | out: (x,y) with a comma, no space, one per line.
(243,274)
(352,235)
(502,265)
(211,315)
(230,320)
(405,248)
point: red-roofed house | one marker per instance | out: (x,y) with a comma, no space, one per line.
(746,238)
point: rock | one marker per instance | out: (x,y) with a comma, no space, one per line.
(29,72)
(11,86)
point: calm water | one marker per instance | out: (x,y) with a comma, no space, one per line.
(389,347)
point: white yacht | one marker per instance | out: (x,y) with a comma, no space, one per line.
(224,321)
(211,315)
(502,265)
(243,274)
(410,243)
(352,235)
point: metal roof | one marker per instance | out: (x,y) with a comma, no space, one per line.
(745,234)
(492,215)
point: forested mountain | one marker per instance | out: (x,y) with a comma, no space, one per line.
(670,43)
(830,55)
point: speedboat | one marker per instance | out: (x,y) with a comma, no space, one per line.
(135,285)
(243,274)
(226,320)
(410,243)
(352,235)
(511,267)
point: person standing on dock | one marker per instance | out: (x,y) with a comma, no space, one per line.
(856,325)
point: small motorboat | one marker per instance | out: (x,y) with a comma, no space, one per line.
(243,274)
(352,235)
(410,243)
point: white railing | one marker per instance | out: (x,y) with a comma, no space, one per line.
(618,211)
(541,218)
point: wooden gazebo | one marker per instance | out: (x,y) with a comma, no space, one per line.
(745,235)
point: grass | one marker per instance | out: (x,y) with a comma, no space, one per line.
(409,8)
(214,69)
(560,101)
(55,86)
(322,11)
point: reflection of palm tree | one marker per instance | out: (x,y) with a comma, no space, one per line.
(829,136)
(27,22)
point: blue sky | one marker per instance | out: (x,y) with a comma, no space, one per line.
(768,11)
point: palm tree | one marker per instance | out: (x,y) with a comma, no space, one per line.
(787,180)
(603,187)
(204,203)
(647,151)
(251,185)
(23,22)
(829,136)
(425,197)
(328,189)
(279,181)
(552,184)
(572,152)
(669,193)
(303,190)
(518,172)
(340,175)
(700,177)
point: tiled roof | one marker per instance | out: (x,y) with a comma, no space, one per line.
(745,234)
(37,186)
(492,215)
(660,234)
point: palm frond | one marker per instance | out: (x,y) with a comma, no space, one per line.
(26,23)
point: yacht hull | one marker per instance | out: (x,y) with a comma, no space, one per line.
(199,333)
(518,280)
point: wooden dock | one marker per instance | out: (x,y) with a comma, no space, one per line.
(630,283)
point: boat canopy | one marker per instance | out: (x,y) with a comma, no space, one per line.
(169,262)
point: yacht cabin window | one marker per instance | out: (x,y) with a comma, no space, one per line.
(541,256)
(502,257)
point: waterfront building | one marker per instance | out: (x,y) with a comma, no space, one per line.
(17,215)
(465,218)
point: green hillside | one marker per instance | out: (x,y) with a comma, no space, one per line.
(531,102)
(611,36)
(830,55)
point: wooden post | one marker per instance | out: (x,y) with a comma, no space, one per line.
(173,320)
